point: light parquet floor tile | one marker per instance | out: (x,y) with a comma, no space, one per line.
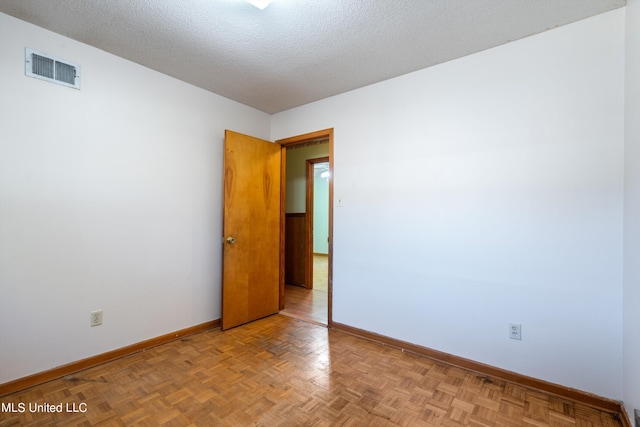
(281,371)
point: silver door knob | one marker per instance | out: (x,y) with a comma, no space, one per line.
(230,240)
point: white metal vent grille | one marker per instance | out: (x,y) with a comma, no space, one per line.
(49,68)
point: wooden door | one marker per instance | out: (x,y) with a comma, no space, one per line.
(251,255)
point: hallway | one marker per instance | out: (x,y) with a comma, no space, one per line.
(310,305)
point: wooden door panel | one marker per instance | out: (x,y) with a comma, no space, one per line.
(251,264)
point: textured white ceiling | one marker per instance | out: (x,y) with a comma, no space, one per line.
(296,51)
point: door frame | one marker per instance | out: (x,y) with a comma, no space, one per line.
(289,142)
(309,215)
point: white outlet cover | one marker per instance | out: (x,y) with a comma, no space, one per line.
(515,331)
(95,318)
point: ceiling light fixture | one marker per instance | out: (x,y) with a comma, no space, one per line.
(260,4)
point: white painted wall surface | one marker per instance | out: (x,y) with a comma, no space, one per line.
(499,200)
(631,336)
(296,185)
(110,198)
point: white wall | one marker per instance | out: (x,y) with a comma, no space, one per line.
(500,200)
(296,185)
(631,336)
(110,198)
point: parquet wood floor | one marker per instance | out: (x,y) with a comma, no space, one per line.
(306,304)
(310,305)
(281,371)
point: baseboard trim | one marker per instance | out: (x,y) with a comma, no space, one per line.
(583,397)
(70,368)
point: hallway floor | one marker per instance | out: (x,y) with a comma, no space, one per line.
(310,305)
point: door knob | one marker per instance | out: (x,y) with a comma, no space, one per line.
(230,240)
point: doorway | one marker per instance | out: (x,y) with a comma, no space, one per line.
(317,224)
(306,249)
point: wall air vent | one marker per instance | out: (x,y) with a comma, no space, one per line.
(46,67)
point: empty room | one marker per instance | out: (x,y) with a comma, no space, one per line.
(481,247)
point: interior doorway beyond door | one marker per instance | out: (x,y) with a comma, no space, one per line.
(309,298)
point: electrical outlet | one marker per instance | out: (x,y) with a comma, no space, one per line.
(515,331)
(96,318)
